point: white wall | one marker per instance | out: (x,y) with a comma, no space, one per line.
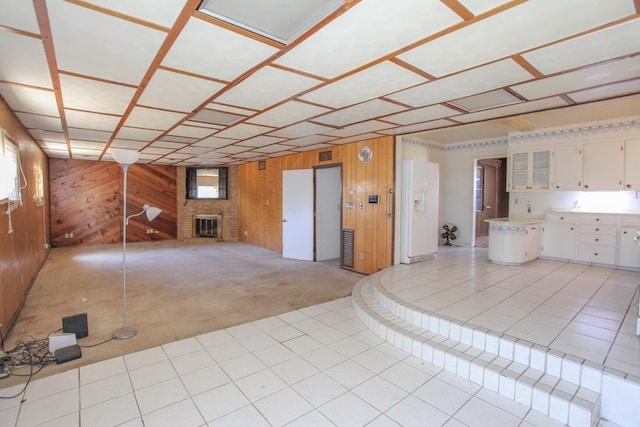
(459,172)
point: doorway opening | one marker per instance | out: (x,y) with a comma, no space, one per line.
(491,199)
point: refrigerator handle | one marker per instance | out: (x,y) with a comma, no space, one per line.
(389,210)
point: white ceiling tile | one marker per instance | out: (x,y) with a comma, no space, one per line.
(194,150)
(149,118)
(230,109)
(356,138)
(91,43)
(128,144)
(609,72)
(35,121)
(280,153)
(275,148)
(359,113)
(214,142)
(404,130)
(90,145)
(202,124)
(89,135)
(162,12)
(287,113)
(218,118)
(478,7)
(92,95)
(481,79)
(542,104)
(159,151)
(53,145)
(495,37)
(138,134)
(191,131)
(168,144)
(259,141)
(45,135)
(423,114)
(23,60)
(243,131)
(607,91)
(86,120)
(266,87)
(19,15)
(230,149)
(177,92)
(308,140)
(360,128)
(370,83)
(620,40)
(210,50)
(30,100)
(246,155)
(178,139)
(300,130)
(368,31)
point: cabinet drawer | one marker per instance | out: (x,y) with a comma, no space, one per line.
(597,239)
(561,217)
(602,229)
(599,219)
(631,220)
(597,254)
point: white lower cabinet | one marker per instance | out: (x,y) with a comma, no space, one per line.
(559,239)
(605,239)
(597,238)
(513,243)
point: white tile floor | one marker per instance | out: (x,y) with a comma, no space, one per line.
(321,366)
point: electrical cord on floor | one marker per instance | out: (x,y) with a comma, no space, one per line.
(97,344)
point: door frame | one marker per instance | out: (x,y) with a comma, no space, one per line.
(505,208)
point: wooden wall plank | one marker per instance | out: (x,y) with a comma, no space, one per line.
(260,202)
(24,250)
(86,202)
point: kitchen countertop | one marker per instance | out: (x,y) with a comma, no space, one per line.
(518,220)
(595,211)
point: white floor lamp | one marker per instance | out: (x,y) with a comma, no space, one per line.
(126,158)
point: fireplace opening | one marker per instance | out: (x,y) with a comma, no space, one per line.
(206,226)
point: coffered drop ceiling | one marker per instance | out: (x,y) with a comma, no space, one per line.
(185,88)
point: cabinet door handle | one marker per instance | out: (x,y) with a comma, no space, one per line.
(597,240)
(597,229)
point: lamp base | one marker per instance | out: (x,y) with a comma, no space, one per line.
(124,333)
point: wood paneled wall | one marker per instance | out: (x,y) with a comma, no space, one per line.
(23,251)
(260,202)
(86,202)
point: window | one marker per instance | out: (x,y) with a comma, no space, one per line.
(9,170)
(207,183)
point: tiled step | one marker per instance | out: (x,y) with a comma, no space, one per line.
(562,387)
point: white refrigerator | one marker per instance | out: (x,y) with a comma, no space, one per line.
(419,211)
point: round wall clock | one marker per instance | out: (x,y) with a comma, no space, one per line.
(365,155)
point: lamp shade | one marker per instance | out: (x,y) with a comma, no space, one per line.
(124,157)
(153,212)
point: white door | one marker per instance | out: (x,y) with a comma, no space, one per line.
(328,209)
(297,214)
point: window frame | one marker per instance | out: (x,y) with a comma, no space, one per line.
(9,170)
(191,181)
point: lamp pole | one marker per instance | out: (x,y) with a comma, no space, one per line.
(124,332)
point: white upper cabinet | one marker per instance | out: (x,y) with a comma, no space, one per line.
(567,171)
(530,170)
(603,166)
(632,164)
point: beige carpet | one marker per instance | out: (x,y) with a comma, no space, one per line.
(175,290)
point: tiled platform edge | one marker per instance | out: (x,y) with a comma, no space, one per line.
(565,388)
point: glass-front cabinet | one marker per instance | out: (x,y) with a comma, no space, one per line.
(530,170)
